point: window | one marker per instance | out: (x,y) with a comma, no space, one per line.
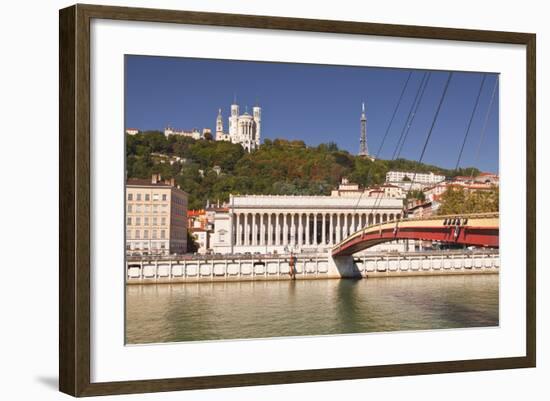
(138,208)
(128,234)
(154,234)
(163,197)
(129,208)
(129,221)
(147,208)
(130,197)
(162,234)
(145,234)
(163,221)
(137,234)
(138,221)
(138,197)
(155,221)
(155,209)
(147,197)
(146,221)
(155,197)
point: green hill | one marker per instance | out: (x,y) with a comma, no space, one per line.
(279,167)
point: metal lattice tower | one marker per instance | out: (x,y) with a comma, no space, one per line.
(363,149)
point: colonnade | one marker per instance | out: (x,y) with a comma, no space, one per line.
(300,228)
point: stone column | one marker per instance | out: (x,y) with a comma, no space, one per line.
(241,228)
(236,229)
(307,230)
(262,229)
(315,228)
(324,233)
(294,228)
(300,229)
(285,229)
(266,229)
(277,230)
(338,228)
(331,229)
(254,229)
(269,230)
(246,230)
(346,227)
(232,228)
(249,225)
(345,233)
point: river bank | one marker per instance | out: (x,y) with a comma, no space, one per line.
(309,267)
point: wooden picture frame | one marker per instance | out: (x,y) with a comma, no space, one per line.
(74,202)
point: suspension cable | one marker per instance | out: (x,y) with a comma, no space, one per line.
(432,126)
(414,115)
(386,133)
(408,123)
(394,113)
(470,122)
(412,111)
(484,128)
(378,199)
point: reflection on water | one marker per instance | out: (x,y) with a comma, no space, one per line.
(212,311)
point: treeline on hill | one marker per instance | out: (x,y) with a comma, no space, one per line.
(279,167)
(456,200)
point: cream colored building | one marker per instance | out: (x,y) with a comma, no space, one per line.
(132,131)
(392,191)
(194,133)
(281,224)
(156,217)
(422,178)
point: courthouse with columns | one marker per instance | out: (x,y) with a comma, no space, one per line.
(285,223)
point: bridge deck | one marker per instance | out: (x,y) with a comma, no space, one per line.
(474,229)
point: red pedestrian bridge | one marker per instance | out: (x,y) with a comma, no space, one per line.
(473,229)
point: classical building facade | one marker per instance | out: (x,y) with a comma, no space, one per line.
(244,129)
(156,217)
(282,224)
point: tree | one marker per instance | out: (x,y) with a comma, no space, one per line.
(453,201)
(192,245)
(278,167)
(456,200)
(416,194)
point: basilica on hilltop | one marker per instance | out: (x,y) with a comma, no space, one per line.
(243,128)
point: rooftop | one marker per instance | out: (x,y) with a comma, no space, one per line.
(145,182)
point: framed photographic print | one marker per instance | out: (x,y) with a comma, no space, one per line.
(250,200)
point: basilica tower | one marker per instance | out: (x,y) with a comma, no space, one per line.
(219,125)
(257,114)
(233,123)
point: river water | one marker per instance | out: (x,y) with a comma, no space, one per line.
(259,309)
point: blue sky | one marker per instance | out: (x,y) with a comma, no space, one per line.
(318,104)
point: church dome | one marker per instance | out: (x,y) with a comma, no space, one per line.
(246,116)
